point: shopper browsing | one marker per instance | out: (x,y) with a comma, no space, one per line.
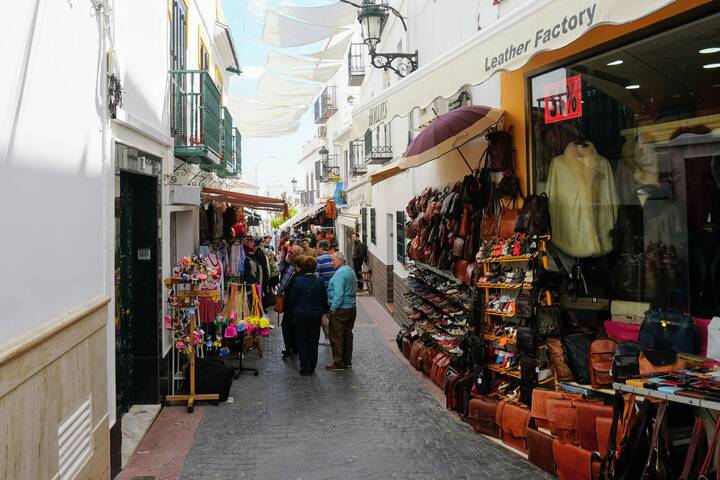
(341,293)
(325,271)
(286,279)
(359,257)
(308,301)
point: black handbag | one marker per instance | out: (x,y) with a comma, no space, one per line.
(534,217)
(499,151)
(631,462)
(626,360)
(524,304)
(526,340)
(549,320)
(668,329)
(576,348)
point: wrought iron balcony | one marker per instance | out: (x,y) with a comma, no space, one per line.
(357,56)
(328,171)
(325,105)
(228,149)
(195,116)
(357,158)
(378,153)
(237,140)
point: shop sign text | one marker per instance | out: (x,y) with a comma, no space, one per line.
(563,100)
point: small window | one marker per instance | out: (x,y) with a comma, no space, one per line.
(400,235)
(373,237)
(363,219)
(204,59)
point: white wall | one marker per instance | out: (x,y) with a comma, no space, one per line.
(51,162)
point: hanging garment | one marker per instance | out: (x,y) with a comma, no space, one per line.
(217,223)
(583,201)
(210,218)
(228,221)
(203,221)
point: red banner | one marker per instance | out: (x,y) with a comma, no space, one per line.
(563,100)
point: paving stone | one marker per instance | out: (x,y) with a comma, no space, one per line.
(376,421)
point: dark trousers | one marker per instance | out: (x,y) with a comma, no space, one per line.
(342,322)
(357,266)
(288,333)
(307,336)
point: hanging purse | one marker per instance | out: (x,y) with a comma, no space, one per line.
(489,224)
(549,321)
(524,304)
(658,460)
(499,151)
(558,360)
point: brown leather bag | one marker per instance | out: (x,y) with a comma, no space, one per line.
(540,398)
(540,450)
(279,306)
(428,360)
(406,346)
(415,351)
(440,368)
(506,227)
(660,361)
(603,426)
(574,463)
(513,422)
(465,221)
(557,360)
(460,270)
(482,411)
(563,420)
(458,247)
(588,413)
(601,358)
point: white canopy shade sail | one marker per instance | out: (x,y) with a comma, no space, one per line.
(282,31)
(335,51)
(270,84)
(506,45)
(316,74)
(250,106)
(267,129)
(332,16)
(258,100)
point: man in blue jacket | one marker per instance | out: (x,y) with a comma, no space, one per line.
(341,295)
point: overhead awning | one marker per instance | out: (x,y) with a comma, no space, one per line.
(302,216)
(282,31)
(506,45)
(245,200)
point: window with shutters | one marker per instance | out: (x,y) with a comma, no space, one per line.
(400,235)
(178,47)
(363,219)
(373,236)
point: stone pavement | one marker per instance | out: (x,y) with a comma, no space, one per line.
(377,421)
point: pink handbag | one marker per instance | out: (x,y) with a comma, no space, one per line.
(619,331)
(701,327)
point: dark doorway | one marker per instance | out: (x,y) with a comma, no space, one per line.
(137,330)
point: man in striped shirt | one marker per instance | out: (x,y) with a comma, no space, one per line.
(324,271)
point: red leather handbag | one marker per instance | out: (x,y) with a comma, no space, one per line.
(513,422)
(622,331)
(461,270)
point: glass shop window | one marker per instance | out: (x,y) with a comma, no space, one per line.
(627,147)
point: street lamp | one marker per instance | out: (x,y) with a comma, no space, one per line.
(294,183)
(372,18)
(324,154)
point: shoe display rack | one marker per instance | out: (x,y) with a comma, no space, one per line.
(503,278)
(439,305)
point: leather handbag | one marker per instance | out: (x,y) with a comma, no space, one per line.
(534,217)
(626,361)
(458,247)
(563,420)
(429,358)
(499,151)
(558,360)
(483,411)
(513,421)
(524,304)
(549,320)
(506,227)
(406,345)
(659,361)
(603,426)
(415,352)
(601,358)
(622,331)
(669,329)
(588,414)
(576,349)
(540,450)
(279,306)
(465,222)
(657,465)
(696,451)
(460,270)
(708,468)
(526,340)
(574,463)
(630,461)
(539,408)
(628,312)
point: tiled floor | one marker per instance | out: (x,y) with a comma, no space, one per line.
(135,424)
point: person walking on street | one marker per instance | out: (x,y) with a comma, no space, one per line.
(341,294)
(325,271)
(286,279)
(359,257)
(308,301)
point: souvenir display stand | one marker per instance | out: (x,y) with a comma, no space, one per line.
(242,334)
(190,297)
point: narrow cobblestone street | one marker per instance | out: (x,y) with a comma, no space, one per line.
(376,421)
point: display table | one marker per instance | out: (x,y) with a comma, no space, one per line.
(670,397)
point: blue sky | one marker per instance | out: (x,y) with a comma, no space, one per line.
(245,18)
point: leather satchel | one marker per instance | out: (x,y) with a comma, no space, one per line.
(499,151)
(279,306)
(460,270)
(429,359)
(540,399)
(659,361)
(588,414)
(574,463)
(540,450)
(415,351)
(506,227)
(526,341)
(549,320)
(558,361)
(563,419)
(483,410)
(603,425)
(576,348)
(601,358)
(513,422)
(626,360)
(406,346)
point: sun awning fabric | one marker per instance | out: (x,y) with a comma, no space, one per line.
(280,115)
(316,74)
(239,103)
(280,61)
(335,51)
(225,45)
(506,45)
(270,84)
(335,15)
(245,200)
(282,31)
(263,100)
(302,216)
(267,128)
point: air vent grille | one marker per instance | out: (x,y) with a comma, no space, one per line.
(75,441)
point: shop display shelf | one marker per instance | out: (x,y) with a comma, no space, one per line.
(516,374)
(494,338)
(458,303)
(442,273)
(499,314)
(506,286)
(508,259)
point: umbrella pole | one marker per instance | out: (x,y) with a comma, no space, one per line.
(465,160)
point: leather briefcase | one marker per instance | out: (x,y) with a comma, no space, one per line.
(406,346)
(428,360)
(540,450)
(601,358)
(563,420)
(483,410)
(540,398)
(574,463)
(415,350)
(441,367)
(588,413)
(513,422)
(602,434)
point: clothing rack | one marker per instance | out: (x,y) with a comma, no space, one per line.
(239,369)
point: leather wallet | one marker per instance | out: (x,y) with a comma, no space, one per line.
(540,450)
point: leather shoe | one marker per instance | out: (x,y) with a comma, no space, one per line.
(333,367)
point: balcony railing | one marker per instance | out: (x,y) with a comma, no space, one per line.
(357,58)
(237,141)
(325,105)
(228,149)
(357,158)
(377,155)
(328,171)
(195,116)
